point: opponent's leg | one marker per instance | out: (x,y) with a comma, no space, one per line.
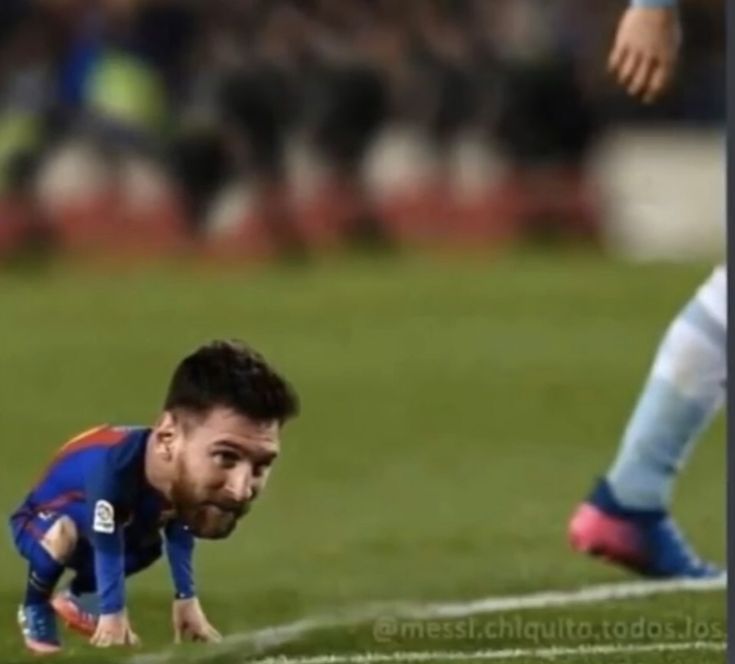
(626,518)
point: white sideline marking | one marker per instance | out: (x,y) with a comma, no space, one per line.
(490,655)
(259,640)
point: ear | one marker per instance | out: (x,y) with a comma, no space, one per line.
(166,431)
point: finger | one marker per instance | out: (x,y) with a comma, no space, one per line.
(192,635)
(201,634)
(132,638)
(660,79)
(186,634)
(207,635)
(617,56)
(639,83)
(628,68)
(103,641)
(214,635)
(177,636)
(213,631)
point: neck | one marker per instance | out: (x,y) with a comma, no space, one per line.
(156,474)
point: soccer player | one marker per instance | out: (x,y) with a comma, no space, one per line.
(114,497)
(626,518)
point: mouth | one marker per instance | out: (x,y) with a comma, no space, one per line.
(238,510)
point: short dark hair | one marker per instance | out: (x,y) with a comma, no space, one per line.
(230,374)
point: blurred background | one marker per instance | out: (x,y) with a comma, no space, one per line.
(257,128)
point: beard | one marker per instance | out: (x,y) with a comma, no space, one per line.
(208,520)
(206,517)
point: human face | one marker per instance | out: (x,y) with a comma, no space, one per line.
(221,464)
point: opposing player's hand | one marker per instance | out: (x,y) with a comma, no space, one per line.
(645,52)
(190,623)
(114,630)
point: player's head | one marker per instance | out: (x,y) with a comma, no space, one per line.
(219,434)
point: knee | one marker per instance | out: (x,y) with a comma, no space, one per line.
(60,541)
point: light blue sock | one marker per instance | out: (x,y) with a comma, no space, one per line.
(683,392)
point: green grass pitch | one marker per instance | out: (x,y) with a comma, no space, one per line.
(453,414)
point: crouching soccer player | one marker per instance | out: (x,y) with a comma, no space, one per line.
(115,497)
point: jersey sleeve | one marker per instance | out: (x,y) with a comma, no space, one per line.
(179,550)
(106,514)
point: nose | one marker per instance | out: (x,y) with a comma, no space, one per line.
(240,483)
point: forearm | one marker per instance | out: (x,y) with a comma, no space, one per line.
(180,551)
(109,563)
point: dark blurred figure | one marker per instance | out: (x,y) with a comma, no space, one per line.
(347,106)
(545,126)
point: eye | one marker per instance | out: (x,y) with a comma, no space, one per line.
(260,468)
(225,459)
